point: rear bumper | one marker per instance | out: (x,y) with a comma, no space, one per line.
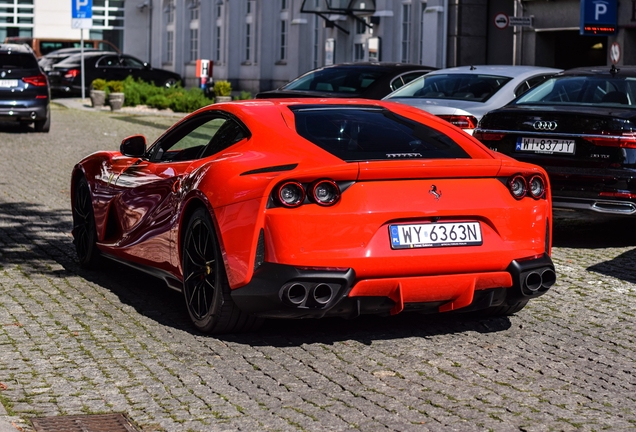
(26,112)
(599,205)
(281,291)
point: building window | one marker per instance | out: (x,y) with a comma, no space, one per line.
(169,47)
(283,4)
(361,28)
(194,44)
(16,18)
(283,40)
(358,52)
(168,9)
(194,30)
(217,55)
(406,32)
(219,34)
(248,41)
(316,47)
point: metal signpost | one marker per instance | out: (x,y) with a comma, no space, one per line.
(81,18)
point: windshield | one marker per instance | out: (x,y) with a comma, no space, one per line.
(370,133)
(352,80)
(583,90)
(473,87)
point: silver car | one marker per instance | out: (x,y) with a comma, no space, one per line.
(462,95)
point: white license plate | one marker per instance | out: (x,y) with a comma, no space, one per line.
(8,83)
(435,235)
(545,145)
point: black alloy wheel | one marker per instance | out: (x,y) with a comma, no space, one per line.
(205,285)
(84,231)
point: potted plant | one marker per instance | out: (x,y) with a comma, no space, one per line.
(222,91)
(115,94)
(98,93)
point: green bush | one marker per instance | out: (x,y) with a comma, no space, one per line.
(245,95)
(176,98)
(115,86)
(222,88)
(99,84)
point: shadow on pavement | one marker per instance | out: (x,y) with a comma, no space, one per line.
(32,236)
(592,230)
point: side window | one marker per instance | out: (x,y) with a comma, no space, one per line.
(108,61)
(201,137)
(529,83)
(405,79)
(132,63)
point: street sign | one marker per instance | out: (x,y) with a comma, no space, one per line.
(598,17)
(501,21)
(520,21)
(615,53)
(81,14)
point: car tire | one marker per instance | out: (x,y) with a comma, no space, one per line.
(84,230)
(42,125)
(206,288)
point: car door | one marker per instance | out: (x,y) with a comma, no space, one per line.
(135,68)
(109,67)
(146,191)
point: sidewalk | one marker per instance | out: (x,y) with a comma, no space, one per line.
(6,422)
(85,104)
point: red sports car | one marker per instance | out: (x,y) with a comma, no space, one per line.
(318,207)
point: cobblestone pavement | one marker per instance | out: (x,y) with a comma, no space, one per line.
(86,342)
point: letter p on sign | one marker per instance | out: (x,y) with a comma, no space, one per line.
(600,8)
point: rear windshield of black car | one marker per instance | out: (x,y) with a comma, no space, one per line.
(370,133)
(17,61)
(583,90)
(352,80)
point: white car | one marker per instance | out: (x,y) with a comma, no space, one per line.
(462,95)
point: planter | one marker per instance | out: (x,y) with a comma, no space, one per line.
(116,101)
(220,99)
(98,98)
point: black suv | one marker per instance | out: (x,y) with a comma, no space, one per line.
(24,90)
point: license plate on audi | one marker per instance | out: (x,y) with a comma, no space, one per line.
(545,145)
(435,235)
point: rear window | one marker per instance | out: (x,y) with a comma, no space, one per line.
(352,80)
(18,61)
(583,90)
(370,133)
(473,87)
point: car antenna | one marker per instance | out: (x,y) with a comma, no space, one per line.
(472,67)
(614,70)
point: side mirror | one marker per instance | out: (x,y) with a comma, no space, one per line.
(133,146)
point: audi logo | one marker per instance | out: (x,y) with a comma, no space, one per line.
(545,125)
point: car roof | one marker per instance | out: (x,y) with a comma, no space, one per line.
(377,65)
(601,70)
(503,70)
(20,48)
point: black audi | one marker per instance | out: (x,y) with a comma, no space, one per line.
(580,126)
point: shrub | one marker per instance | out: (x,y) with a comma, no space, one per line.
(176,98)
(158,101)
(222,88)
(115,86)
(245,95)
(99,84)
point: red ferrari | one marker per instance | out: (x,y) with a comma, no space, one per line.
(317,207)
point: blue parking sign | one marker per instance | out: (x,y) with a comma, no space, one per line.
(598,17)
(81,14)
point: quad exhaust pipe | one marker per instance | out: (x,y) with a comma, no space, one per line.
(307,294)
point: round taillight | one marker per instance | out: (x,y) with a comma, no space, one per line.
(536,187)
(325,192)
(291,194)
(518,186)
